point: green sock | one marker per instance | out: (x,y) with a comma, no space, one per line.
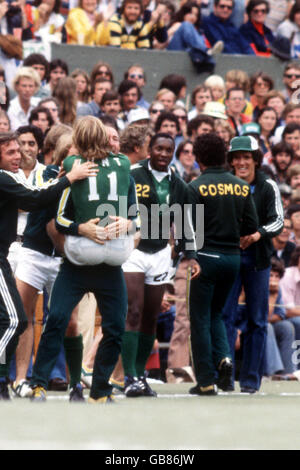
(144,349)
(74,351)
(129,349)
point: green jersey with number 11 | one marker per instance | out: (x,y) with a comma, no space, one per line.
(96,196)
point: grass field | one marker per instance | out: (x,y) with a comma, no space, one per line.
(175,420)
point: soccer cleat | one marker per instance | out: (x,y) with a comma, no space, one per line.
(225,370)
(132,387)
(108,400)
(76,394)
(4,393)
(22,389)
(145,387)
(209,390)
(86,376)
(38,394)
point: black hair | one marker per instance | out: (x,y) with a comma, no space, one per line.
(166,116)
(110,95)
(253,3)
(184,10)
(236,88)
(295,9)
(290,128)
(277,266)
(58,63)
(109,121)
(173,82)
(281,147)
(294,261)
(34,115)
(35,131)
(181,146)
(210,150)
(257,156)
(264,76)
(160,135)
(194,123)
(126,85)
(37,59)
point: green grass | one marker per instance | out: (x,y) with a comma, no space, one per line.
(267,420)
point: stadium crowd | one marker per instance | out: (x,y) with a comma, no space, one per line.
(42,103)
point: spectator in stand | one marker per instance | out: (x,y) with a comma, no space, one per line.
(4,121)
(235,104)
(57,69)
(293,212)
(185,35)
(290,287)
(185,159)
(224,130)
(65,93)
(218,27)
(155,109)
(15,15)
(127,29)
(102,70)
(260,84)
(281,332)
(48,23)
(4,91)
(267,119)
(283,247)
(276,100)
(291,135)
(200,125)
(158,33)
(256,33)
(168,123)
(181,114)
(41,118)
(293,176)
(82,24)
(217,86)
(240,79)
(279,10)
(290,28)
(291,77)
(130,95)
(82,80)
(282,157)
(167,98)
(201,95)
(177,84)
(111,106)
(137,74)
(41,65)
(99,87)
(53,105)
(290,114)
(25,84)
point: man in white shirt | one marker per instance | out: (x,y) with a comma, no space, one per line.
(26,83)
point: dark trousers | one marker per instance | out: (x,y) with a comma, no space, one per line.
(13,320)
(256,286)
(108,285)
(208,295)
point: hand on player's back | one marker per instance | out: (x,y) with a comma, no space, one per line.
(80,171)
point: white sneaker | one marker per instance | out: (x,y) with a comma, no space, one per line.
(216,49)
(22,389)
(86,376)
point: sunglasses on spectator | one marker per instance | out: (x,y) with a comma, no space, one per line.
(223,7)
(184,118)
(259,10)
(154,111)
(103,72)
(136,75)
(291,75)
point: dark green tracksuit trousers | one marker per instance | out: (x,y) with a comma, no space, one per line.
(208,294)
(108,285)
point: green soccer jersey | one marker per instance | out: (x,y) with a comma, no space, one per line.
(96,196)
(162,189)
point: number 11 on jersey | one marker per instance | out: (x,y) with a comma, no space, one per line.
(93,193)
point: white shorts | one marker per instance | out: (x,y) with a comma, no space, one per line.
(37,270)
(14,256)
(83,252)
(155,266)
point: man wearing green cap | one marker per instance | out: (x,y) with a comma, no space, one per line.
(245,158)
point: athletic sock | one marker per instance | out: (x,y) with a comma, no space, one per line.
(74,351)
(144,349)
(129,349)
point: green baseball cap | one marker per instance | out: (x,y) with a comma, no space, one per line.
(246,143)
(250,128)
